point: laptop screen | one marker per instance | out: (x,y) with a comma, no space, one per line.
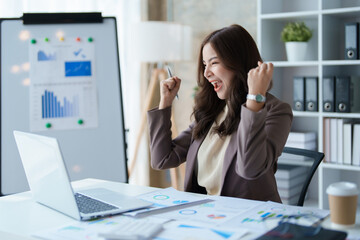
(46,173)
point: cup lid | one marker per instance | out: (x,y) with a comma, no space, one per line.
(342,189)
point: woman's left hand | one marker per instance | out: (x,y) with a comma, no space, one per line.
(259,78)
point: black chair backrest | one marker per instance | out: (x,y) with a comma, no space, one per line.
(317,157)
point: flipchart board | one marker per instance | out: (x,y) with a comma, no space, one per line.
(60,77)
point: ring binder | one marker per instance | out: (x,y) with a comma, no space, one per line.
(342,95)
(299,93)
(329,94)
(311,94)
(352,41)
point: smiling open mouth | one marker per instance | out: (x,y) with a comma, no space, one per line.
(217,85)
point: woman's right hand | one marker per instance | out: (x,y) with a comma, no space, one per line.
(168,91)
(259,78)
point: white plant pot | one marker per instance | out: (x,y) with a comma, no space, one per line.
(296,51)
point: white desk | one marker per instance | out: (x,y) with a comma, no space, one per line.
(20,215)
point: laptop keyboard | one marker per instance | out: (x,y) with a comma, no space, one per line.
(90,205)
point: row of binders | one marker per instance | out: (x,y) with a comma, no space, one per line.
(342,141)
(340,94)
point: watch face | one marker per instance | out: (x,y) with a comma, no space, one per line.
(258,98)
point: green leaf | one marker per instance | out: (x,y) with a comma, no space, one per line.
(296,32)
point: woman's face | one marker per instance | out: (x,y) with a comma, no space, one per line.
(216,73)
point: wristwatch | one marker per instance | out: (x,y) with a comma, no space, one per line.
(258,97)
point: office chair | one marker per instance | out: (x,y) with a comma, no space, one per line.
(317,158)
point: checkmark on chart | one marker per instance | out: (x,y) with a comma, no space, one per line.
(78,52)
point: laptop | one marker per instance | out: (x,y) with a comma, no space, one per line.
(50,185)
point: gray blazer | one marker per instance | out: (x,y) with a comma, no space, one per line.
(250,159)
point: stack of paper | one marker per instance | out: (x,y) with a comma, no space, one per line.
(290,180)
(303,140)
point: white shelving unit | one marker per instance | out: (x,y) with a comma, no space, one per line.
(324,57)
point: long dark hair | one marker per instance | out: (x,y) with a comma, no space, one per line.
(237,51)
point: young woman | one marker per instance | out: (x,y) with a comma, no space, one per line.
(232,147)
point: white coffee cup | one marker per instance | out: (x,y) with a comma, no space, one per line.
(343,202)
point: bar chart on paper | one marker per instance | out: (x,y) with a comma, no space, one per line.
(63,106)
(264,215)
(54,107)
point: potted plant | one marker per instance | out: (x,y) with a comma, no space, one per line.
(296,36)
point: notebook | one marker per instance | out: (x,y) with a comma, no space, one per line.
(50,185)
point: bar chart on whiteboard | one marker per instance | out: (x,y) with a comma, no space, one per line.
(62,84)
(71,106)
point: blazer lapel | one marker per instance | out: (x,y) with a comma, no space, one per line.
(191,160)
(229,156)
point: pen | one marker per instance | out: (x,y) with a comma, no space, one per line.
(170,75)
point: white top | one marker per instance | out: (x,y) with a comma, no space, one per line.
(342,189)
(211,157)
